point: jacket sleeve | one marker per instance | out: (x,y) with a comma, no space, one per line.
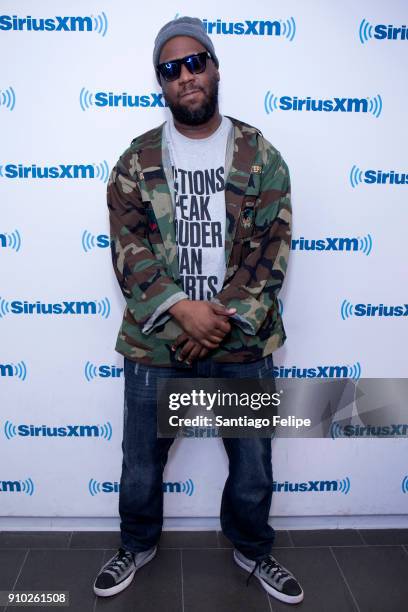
(148,290)
(254,286)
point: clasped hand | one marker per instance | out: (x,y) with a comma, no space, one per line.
(205,325)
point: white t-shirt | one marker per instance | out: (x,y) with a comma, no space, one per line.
(198,167)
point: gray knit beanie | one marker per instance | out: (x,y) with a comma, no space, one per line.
(183,26)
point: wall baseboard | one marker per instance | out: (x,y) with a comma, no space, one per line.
(20,523)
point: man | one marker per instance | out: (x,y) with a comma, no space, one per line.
(200,225)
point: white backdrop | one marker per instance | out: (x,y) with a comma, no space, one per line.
(58,369)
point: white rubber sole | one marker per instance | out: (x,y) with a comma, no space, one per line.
(125,583)
(289,599)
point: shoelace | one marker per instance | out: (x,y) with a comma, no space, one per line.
(271,566)
(123,559)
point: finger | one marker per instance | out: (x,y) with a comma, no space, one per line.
(209,345)
(201,335)
(203,353)
(185,351)
(218,309)
(195,351)
(216,338)
(221,326)
(224,326)
(179,340)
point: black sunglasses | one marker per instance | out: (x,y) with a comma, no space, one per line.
(196,63)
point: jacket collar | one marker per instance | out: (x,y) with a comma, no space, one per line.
(154,182)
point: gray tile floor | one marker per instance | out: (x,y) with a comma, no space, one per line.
(340,571)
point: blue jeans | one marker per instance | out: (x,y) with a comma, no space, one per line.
(247,493)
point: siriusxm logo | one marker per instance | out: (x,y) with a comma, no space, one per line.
(367,31)
(281,28)
(105,99)
(95,487)
(364,244)
(101,307)
(8,98)
(90,241)
(377,177)
(200,432)
(361,431)
(91,371)
(347,309)
(10,240)
(321,371)
(318,486)
(17,486)
(11,370)
(62,171)
(186,487)
(66,431)
(328,105)
(91,23)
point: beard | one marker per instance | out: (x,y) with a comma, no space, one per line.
(200,115)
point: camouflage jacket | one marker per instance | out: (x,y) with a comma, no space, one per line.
(144,250)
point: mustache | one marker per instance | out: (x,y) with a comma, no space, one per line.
(187,90)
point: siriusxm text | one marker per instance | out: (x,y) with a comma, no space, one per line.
(65,431)
(311,485)
(114,487)
(336,105)
(50,24)
(61,171)
(390,32)
(395,429)
(152,100)
(102,241)
(324,371)
(246,28)
(10,485)
(325,244)
(75,308)
(380,177)
(7,369)
(108,371)
(380,310)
